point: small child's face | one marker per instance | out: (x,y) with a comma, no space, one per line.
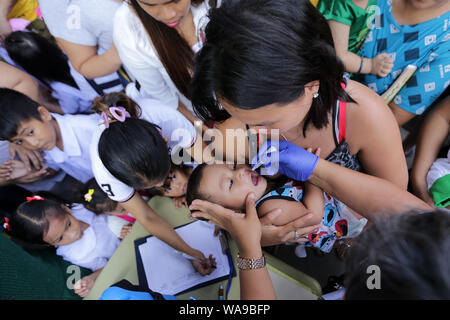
(176,184)
(229,185)
(63,230)
(36,135)
(119,211)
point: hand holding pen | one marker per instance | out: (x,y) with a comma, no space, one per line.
(203,266)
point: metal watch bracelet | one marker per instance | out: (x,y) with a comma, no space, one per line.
(250,264)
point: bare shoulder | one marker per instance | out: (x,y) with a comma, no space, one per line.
(368,115)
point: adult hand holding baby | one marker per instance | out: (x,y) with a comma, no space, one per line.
(248,229)
(245,228)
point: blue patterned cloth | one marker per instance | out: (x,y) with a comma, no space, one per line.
(337,223)
(425,45)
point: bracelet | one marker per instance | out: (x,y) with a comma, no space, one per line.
(251,264)
(361,65)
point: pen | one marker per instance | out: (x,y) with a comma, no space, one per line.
(221,297)
(191,257)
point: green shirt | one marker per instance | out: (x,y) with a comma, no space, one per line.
(35,274)
(346,12)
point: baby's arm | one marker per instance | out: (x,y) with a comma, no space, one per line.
(290,210)
(380,65)
(313,202)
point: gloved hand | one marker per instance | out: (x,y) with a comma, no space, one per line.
(290,160)
(124,290)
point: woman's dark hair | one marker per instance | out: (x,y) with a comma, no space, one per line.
(193,186)
(174,52)
(30,222)
(133,151)
(15,107)
(39,57)
(262,52)
(411,253)
(99,202)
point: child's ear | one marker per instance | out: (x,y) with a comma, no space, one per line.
(67,209)
(44,113)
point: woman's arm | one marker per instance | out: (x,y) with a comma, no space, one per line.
(432,135)
(86,60)
(5,9)
(158,227)
(20,81)
(368,195)
(373,134)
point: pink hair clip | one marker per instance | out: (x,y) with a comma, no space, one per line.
(119,113)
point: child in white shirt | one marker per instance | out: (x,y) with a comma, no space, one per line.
(64,140)
(80,236)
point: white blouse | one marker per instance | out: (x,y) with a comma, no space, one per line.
(97,244)
(141,58)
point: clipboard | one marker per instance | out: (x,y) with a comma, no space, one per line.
(163,270)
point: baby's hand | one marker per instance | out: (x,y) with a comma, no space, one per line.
(382,65)
(125,231)
(84,285)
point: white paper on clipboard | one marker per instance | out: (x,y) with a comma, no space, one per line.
(168,272)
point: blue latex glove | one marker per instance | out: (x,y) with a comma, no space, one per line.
(290,160)
(124,290)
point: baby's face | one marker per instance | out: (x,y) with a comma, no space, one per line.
(229,185)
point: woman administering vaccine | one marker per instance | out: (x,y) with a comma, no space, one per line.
(351,187)
(156,41)
(272,65)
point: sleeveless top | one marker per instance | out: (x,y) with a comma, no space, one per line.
(341,154)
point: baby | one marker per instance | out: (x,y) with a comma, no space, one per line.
(228,186)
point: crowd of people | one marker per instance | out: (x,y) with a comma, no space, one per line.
(105,104)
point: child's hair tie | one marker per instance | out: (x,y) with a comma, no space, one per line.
(34,198)
(88,195)
(6,224)
(117,112)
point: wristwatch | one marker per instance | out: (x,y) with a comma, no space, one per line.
(249,264)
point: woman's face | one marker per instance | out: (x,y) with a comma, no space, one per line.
(169,12)
(229,185)
(63,229)
(274,116)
